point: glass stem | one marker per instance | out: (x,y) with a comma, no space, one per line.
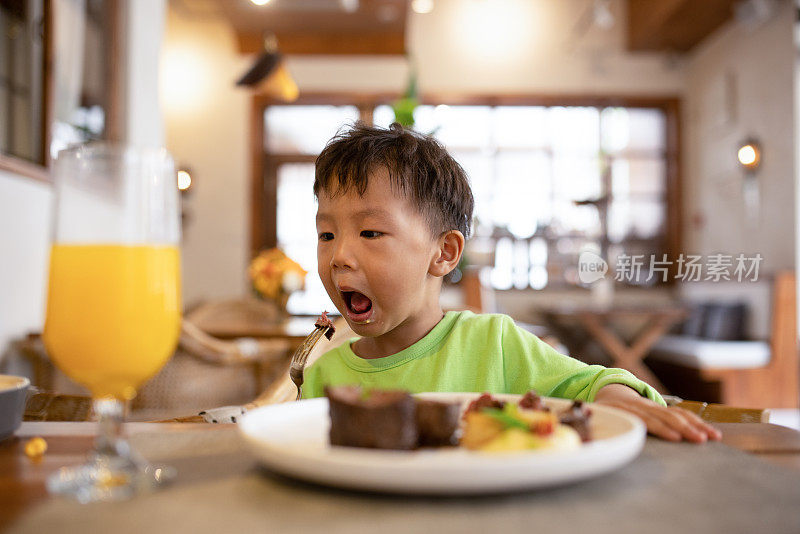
(110,441)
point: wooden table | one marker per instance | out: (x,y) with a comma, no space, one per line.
(576,326)
(228,477)
(22,480)
(294,328)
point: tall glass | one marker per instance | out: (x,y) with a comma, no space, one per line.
(113,304)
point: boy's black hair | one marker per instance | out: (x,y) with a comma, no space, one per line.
(419,168)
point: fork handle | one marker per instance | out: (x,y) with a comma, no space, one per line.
(296,375)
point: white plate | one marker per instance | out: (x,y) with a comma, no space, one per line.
(292,439)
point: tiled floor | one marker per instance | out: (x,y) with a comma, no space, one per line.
(790,418)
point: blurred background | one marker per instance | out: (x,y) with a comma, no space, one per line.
(637,136)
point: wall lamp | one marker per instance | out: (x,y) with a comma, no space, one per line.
(749,155)
(184,180)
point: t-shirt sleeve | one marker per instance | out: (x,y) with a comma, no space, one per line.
(530,363)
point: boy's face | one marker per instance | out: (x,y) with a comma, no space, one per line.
(374,253)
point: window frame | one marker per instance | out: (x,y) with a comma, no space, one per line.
(40,170)
(264,183)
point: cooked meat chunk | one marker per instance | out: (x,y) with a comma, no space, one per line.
(372,419)
(577,416)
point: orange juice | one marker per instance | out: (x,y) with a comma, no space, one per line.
(113,314)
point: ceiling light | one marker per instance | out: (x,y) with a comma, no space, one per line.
(422,6)
(260,2)
(269,74)
(351,6)
(601,14)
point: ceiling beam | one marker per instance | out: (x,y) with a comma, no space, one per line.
(326,43)
(320,27)
(674,25)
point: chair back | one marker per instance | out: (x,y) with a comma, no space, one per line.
(233,311)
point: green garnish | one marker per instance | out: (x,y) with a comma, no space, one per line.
(507,419)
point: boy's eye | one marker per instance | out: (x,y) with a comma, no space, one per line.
(370,234)
(325,236)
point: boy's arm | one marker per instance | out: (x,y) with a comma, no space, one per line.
(671,423)
(530,363)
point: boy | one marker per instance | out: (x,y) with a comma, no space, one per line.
(394,211)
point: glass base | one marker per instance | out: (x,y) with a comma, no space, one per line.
(113,472)
(108,478)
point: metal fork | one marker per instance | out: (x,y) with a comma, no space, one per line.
(301,355)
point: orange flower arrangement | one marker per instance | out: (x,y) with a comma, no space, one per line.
(275,276)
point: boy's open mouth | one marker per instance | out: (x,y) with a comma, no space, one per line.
(359,306)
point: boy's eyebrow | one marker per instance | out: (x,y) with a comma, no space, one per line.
(370,212)
(361,214)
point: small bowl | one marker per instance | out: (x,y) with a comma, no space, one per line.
(13,394)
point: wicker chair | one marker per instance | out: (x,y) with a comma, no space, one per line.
(206,371)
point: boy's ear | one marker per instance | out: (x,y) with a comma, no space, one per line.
(450,248)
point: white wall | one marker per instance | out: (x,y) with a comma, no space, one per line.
(24,242)
(207,129)
(739,83)
(759,65)
(144,33)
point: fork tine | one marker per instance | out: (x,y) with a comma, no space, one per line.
(311,340)
(308,339)
(313,343)
(302,352)
(300,357)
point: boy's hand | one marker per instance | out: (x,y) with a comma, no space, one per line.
(673,423)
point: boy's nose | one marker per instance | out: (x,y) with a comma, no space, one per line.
(342,256)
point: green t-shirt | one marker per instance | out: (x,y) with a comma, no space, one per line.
(471,353)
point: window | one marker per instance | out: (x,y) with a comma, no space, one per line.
(295,135)
(22,50)
(85,76)
(549,182)
(79,42)
(552,181)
